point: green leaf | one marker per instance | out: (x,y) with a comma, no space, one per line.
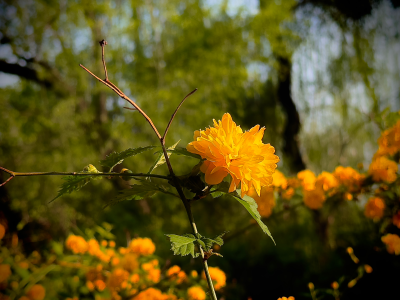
(220,189)
(71,184)
(210,242)
(183,151)
(116,158)
(251,206)
(161,158)
(202,244)
(137,192)
(182,245)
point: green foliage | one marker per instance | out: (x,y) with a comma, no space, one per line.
(183,245)
(116,158)
(138,192)
(209,242)
(251,206)
(161,159)
(184,152)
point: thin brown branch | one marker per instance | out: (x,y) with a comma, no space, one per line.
(174,114)
(123,96)
(103,43)
(15,174)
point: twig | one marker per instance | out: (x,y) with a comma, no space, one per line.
(15,174)
(103,43)
(174,114)
(120,93)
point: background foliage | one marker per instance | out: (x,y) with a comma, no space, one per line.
(320,76)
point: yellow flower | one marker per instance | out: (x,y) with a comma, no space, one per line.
(288,194)
(314,198)
(2,231)
(129,262)
(279,180)
(242,155)
(176,273)
(142,246)
(135,278)
(307,179)
(265,202)
(196,293)
(77,244)
(111,244)
(348,177)
(327,181)
(90,285)
(392,242)
(335,285)
(100,284)
(5,272)
(151,294)
(383,169)
(218,276)
(194,274)
(389,142)
(286,298)
(374,208)
(93,247)
(116,278)
(153,274)
(368,269)
(36,292)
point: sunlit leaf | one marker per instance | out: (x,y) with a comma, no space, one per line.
(161,158)
(251,206)
(182,245)
(138,192)
(116,158)
(183,151)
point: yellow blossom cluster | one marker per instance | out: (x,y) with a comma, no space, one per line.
(176,274)
(392,242)
(228,150)
(389,142)
(286,298)
(218,276)
(142,246)
(383,169)
(196,293)
(265,202)
(374,208)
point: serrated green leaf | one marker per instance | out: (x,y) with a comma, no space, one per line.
(183,151)
(72,184)
(251,206)
(202,244)
(161,158)
(137,192)
(182,245)
(210,241)
(116,158)
(220,189)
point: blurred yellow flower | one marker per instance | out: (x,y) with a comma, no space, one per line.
(90,285)
(229,150)
(175,273)
(129,262)
(218,276)
(100,284)
(286,298)
(374,208)
(265,202)
(389,142)
(335,285)
(36,292)
(307,179)
(116,278)
(383,169)
(288,194)
(327,181)
(279,180)
(314,198)
(368,268)
(196,293)
(111,244)
(93,247)
(2,231)
(5,272)
(134,278)
(151,294)
(77,244)
(392,242)
(348,177)
(194,274)
(142,246)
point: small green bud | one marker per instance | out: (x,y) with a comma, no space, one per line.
(124,170)
(90,169)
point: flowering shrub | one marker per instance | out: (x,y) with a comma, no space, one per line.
(98,270)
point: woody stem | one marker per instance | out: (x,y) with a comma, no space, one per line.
(188,208)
